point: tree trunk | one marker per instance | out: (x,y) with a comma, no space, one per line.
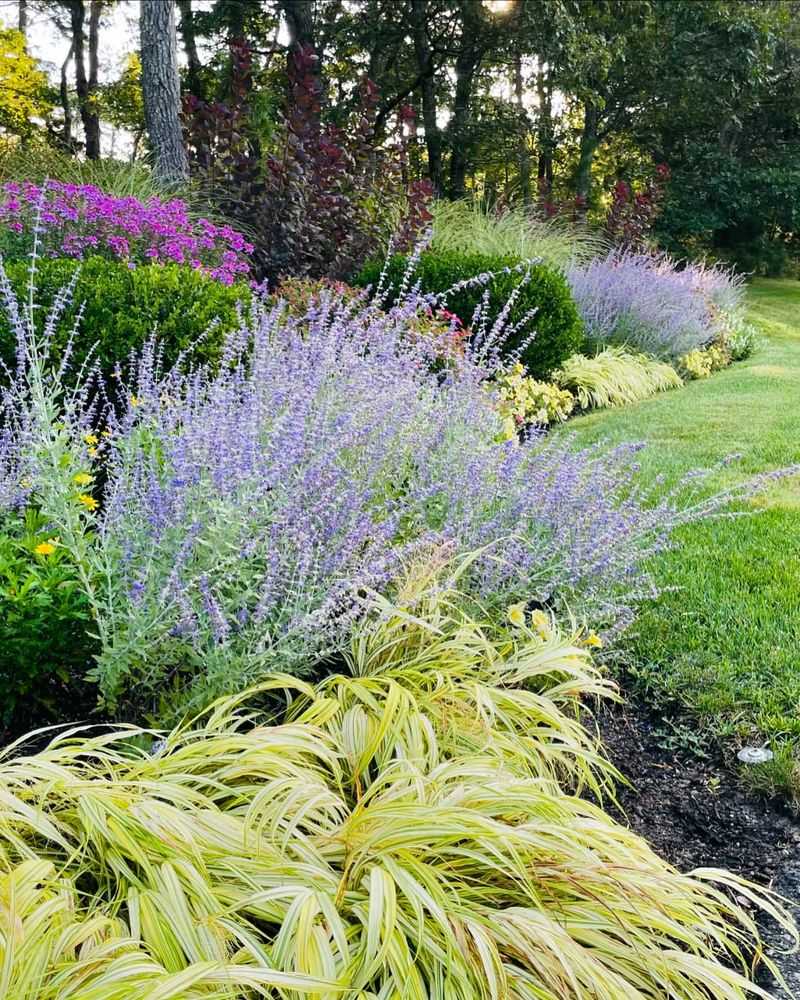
(468,60)
(89,118)
(299,16)
(64,94)
(524,155)
(194,81)
(425,65)
(22,18)
(93,129)
(545,140)
(161,90)
(588,146)
(465,75)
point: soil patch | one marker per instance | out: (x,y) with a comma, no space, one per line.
(696,814)
(693,810)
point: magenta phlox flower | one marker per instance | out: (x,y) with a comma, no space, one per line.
(76,219)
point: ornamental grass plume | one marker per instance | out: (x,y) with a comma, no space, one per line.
(615,377)
(399,833)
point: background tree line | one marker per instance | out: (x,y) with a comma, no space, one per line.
(554,103)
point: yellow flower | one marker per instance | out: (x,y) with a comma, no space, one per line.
(516,614)
(88,501)
(106,434)
(91,438)
(593,639)
(82,479)
(25,484)
(135,401)
(92,452)
(45,548)
(541,623)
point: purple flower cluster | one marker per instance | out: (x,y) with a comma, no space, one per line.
(76,220)
(653,304)
(247,509)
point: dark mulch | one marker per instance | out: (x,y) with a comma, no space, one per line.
(696,814)
(694,811)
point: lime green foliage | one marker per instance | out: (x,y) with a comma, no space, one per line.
(45,624)
(615,377)
(472,227)
(23,85)
(703,363)
(724,644)
(719,356)
(122,307)
(404,833)
(522,401)
(559,331)
(696,364)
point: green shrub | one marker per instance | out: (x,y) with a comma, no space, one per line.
(742,341)
(45,645)
(615,377)
(558,327)
(122,307)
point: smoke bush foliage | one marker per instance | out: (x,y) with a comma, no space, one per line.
(228,521)
(648,302)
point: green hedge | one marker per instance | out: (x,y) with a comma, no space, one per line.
(122,307)
(559,331)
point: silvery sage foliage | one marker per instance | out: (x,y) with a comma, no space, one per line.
(231,520)
(651,303)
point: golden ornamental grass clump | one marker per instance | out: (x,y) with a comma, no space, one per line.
(615,377)
(408,830)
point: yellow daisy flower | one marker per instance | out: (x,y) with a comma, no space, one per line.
(88,501)
(91,439)
(45,548)
(82,479)
(516,614)
(593,639)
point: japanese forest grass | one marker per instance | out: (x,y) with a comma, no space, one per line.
(408,828)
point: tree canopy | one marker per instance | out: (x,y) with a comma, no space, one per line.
(550,103)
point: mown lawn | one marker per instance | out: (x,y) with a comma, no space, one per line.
(723,646)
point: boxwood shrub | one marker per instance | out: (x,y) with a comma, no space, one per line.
(559,331)
(122,307)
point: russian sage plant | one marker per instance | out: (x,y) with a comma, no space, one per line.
(229,521)
(649,303)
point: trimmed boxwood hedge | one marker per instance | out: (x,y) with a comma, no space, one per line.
(559,331)
(122,307)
